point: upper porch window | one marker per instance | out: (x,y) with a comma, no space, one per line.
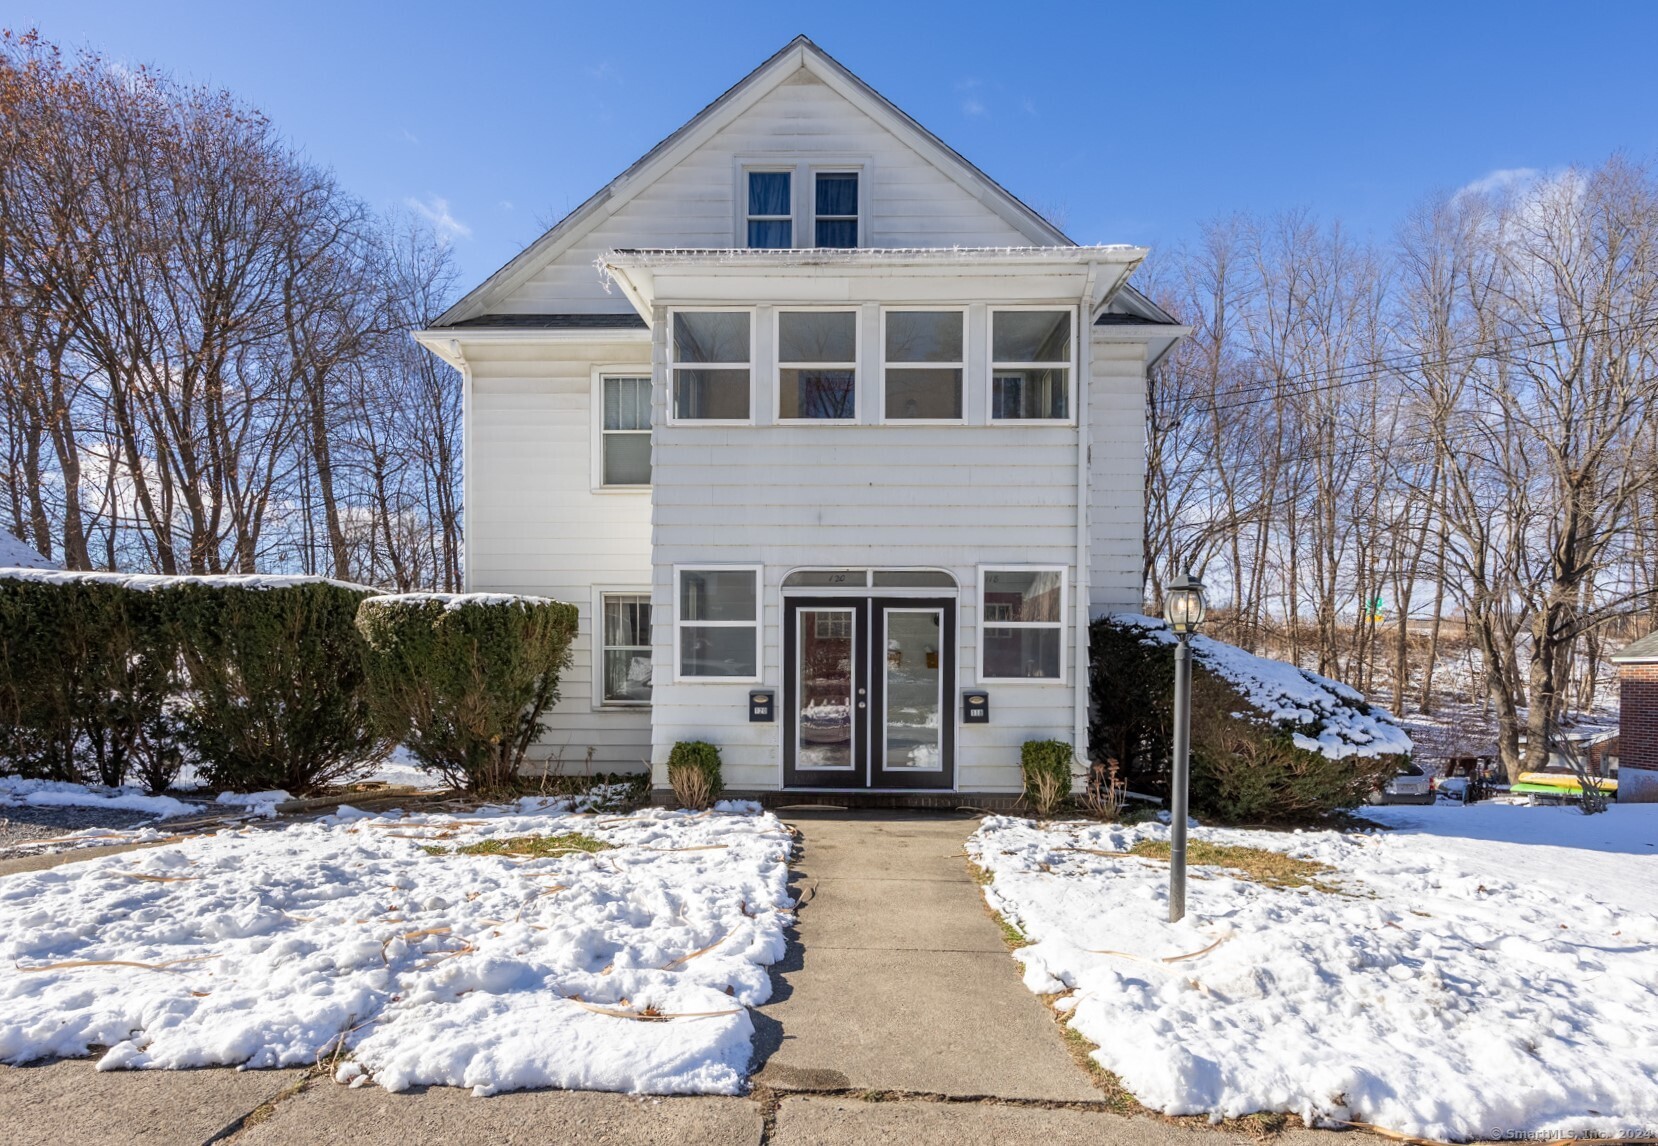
(800,206)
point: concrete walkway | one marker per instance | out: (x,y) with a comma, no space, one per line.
(901,979)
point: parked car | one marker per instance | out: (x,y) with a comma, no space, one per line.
(1410,786)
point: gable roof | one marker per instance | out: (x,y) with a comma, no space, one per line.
(1638,652)
(17,553)
(798,53)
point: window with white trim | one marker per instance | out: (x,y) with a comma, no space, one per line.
(711,353)
(835,214)
(1030,364)
(924,360)
(625,431)
(1021,627)
(817,365)
(770,209)
(625,649)
(717,623)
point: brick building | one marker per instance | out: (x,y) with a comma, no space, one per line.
(1638,699)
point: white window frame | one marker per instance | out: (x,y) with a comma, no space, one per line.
(600,592)
(778,365)
(1071,395)
(811,203)
(886,365)
(759,623)
(1061,624)
(675,365)
(793,217)
(599,374)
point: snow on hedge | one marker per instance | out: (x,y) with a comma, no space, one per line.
(460,600)
(1456,990)
(1288,696)
(496,972)
(16,791)
(153,581)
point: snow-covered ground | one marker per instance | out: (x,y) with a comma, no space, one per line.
(1490,970)
(628,969)
(15,791)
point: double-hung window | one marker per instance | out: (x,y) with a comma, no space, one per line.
(625,649)
(1021,622)
(717,624)
(925,355)
(817,365)
(770,209)
(625,431)
(835,217)
(711,351)
(1031,360)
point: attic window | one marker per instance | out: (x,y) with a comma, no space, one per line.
(770,210)
(836,209)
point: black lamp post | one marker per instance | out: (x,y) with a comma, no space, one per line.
(1183,607)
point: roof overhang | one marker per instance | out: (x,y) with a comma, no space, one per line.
(1089,275)
(452,344)
(1641,652)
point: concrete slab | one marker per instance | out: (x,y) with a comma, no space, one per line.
(852,1122)
(913,916)
(62,1102)
(368,1116)
(900,980)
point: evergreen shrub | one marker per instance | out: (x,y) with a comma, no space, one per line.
(1046,767)
(463,679)
(276,685)
(1246,768)
(694,773)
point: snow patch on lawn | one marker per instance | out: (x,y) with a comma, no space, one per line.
(16,791)
(1290,696)
(265,948)
(1465,986)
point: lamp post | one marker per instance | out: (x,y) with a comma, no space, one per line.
(1184,609)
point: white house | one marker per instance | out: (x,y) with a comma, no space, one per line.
(824,431)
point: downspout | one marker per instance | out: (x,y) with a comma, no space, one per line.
(467,457)
(1085,360)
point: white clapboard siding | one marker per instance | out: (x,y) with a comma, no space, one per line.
(535,526)
(908,202)
(1116,488)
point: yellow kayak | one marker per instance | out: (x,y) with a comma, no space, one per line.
(1566,781)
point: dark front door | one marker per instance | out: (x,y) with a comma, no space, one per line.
(869,692)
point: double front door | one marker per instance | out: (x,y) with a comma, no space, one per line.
(869,692)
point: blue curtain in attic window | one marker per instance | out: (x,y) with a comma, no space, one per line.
(837,210)
(768,194)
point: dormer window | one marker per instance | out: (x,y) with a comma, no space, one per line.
(770,210)
(836,212)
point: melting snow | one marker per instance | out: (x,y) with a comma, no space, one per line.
(1475,981)
(268,947)
(1290,696)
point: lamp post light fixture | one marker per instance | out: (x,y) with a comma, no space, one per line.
(1183,607)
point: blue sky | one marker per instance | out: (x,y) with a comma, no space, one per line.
(1133,122)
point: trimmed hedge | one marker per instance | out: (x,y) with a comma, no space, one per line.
(88,665)
(1245,768)
(694,773)
(462,679)
(277,687)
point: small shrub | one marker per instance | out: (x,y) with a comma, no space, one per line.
(88,664)
(277,691)
(1046,765)
(462,679)
(694,774)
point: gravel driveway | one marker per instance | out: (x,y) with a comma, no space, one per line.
(22,823)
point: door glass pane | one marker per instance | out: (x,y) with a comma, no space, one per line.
(824,724)
(914,690)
